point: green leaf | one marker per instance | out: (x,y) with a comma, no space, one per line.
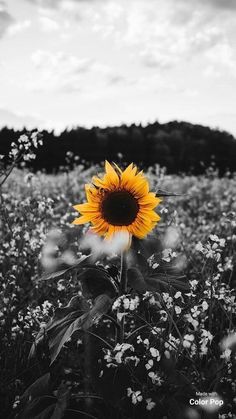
(146,247)
(162,282)
(77,304)
(47,407)
(40,408)
(135,280)
(62,401)
(39,388)
(162,192)
(60,273)
(96,281)
(67,320)
(159,282)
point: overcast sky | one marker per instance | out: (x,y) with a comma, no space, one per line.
(107,62)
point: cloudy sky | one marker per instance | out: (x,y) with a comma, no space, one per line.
(107,62)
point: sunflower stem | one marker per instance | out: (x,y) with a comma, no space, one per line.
(123,274)
(122,291)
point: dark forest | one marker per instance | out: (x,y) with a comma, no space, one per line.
(178,146)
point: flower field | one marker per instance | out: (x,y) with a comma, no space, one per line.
(177,314)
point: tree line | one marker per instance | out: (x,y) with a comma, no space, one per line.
(178,146)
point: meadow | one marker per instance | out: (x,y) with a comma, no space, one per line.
(179,307)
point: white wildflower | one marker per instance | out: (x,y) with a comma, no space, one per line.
(156,379)
(199,247)
(155,353)
(149,364)
(135,395)
(178,309)
(150,404)
(205,305)
(187,341)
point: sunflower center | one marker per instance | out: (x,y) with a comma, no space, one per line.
(119,208)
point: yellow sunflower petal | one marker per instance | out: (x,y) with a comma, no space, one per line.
(111,175)
(81,220)
(86,207)
(118,169)
(131,210)
(100,183)
(100,227)
(138,231)
(149,214)
(150,200)
(140,188)
(92,194)
(110,232)
(128,175)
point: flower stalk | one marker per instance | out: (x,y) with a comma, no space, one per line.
(123,273)
(122,291)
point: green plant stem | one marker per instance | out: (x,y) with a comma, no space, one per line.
(123,274)
(122,291)
(88,371)
(7,173)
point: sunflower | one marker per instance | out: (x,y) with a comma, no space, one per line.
(120,201)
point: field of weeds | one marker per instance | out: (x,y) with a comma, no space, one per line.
(176,356)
